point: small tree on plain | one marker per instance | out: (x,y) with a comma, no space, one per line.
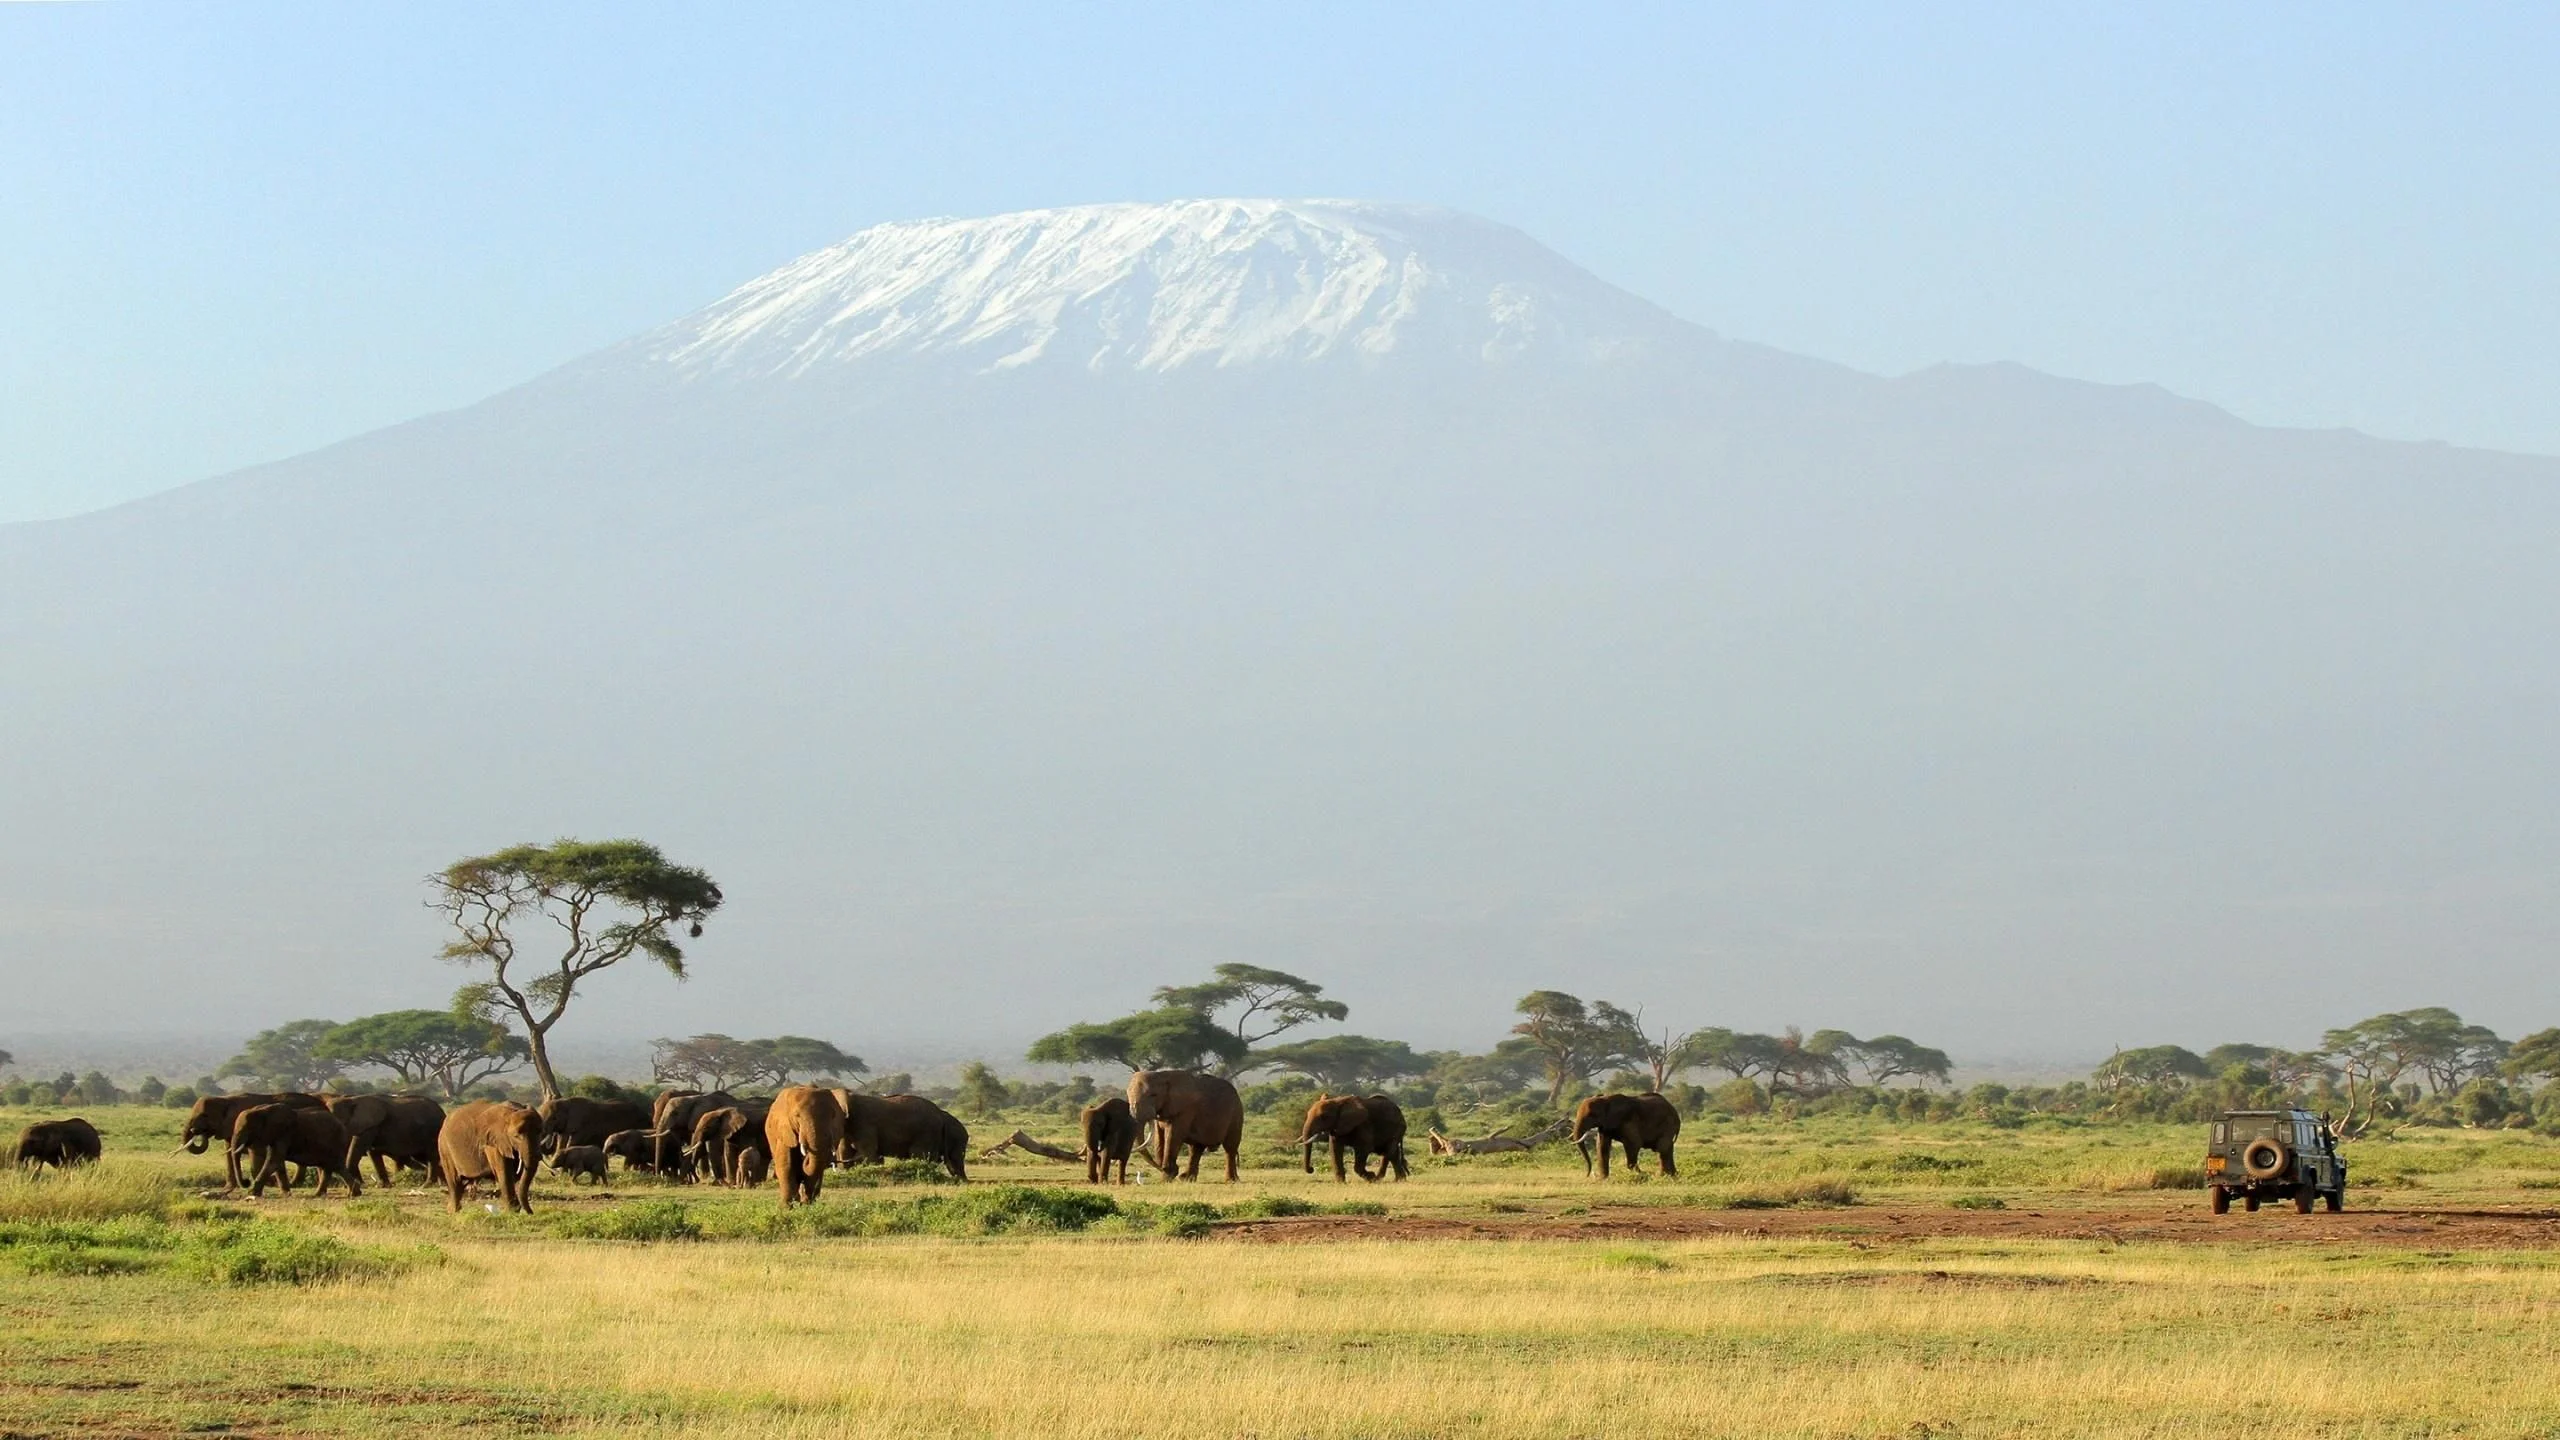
(452,1049)
(286,1058)
(605,901)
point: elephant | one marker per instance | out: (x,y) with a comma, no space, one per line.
(577,1120)
(1109,1134)
(659,1151)
(1187,1108)
(1370,1126)
(391,1128)
(209,1121)
(407,1138)
(491,1140)
(276,1135)
(576,1160)
(1639,1122)
(902,1127)
(677,1110)
(803,1132)
(59,1143)
(720,1135)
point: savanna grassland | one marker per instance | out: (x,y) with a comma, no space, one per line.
(1824,1278)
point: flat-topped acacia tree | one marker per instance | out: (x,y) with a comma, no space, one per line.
(607,900)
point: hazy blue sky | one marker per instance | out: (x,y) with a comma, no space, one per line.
(231,232)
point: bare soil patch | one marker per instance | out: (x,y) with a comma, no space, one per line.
(2179,1219)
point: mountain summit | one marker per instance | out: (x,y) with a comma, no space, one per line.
(1206,283)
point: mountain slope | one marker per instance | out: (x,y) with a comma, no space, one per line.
(1018,614)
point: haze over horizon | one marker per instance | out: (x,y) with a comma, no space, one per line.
(1022,612)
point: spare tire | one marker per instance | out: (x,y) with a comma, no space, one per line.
(2266,1159)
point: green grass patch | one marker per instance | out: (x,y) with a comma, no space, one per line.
(1819,1191)
(218,1248)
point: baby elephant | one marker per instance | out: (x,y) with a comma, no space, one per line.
(577,1160)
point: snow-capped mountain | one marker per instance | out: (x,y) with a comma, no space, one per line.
(1193,283)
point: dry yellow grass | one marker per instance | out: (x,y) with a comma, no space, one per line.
(1116,1339)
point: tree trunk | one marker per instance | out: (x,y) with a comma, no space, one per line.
(538,1043)
(1020,1140)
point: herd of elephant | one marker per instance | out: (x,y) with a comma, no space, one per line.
(793,1136)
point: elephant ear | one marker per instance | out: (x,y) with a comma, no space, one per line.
(1354,1112)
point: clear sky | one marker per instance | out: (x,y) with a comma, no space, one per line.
(230,232)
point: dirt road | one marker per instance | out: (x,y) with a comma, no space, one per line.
(2181,1218)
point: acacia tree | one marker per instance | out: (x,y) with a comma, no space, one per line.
(1266,1002)
(605,902)
(286,1057)
(456,1049)
(1574,1041)
(1168,1039)
(1346,1062)
(715,1062)
(1885,1059)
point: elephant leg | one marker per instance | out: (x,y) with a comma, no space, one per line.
(1605,1143)
(1403,1171)
(452,1190)
(1230,1148)
(1337,1160)
(1634,1158)
(1668,1168)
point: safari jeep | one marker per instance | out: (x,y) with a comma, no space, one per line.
(2274,1155)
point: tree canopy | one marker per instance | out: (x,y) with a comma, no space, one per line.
(1265,1002)
(1170,1038)
(1346,1062)
(452,1049)
(2151,1065)
(286,1057)
(716,1062)
(605,901)
(1575,1041)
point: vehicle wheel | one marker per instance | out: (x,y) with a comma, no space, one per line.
(2302,1202)
(2337,1201)
(2250,1203)
(2221,1201)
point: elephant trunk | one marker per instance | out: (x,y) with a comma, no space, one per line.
(1307,1152)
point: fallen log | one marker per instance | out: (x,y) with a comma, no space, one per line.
(1018,1140)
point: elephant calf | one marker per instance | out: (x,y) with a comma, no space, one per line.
(577,1160)
(59,1143)
(661,1151)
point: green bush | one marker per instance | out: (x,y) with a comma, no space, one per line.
(1271,1207)
(648,1220)
(223,1250)
(1818,1190)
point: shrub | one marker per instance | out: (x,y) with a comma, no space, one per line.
(1271,1207)
(1185,1219)
(1822,1190)
(1979,1202)
(645,1220)
(223,1249)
